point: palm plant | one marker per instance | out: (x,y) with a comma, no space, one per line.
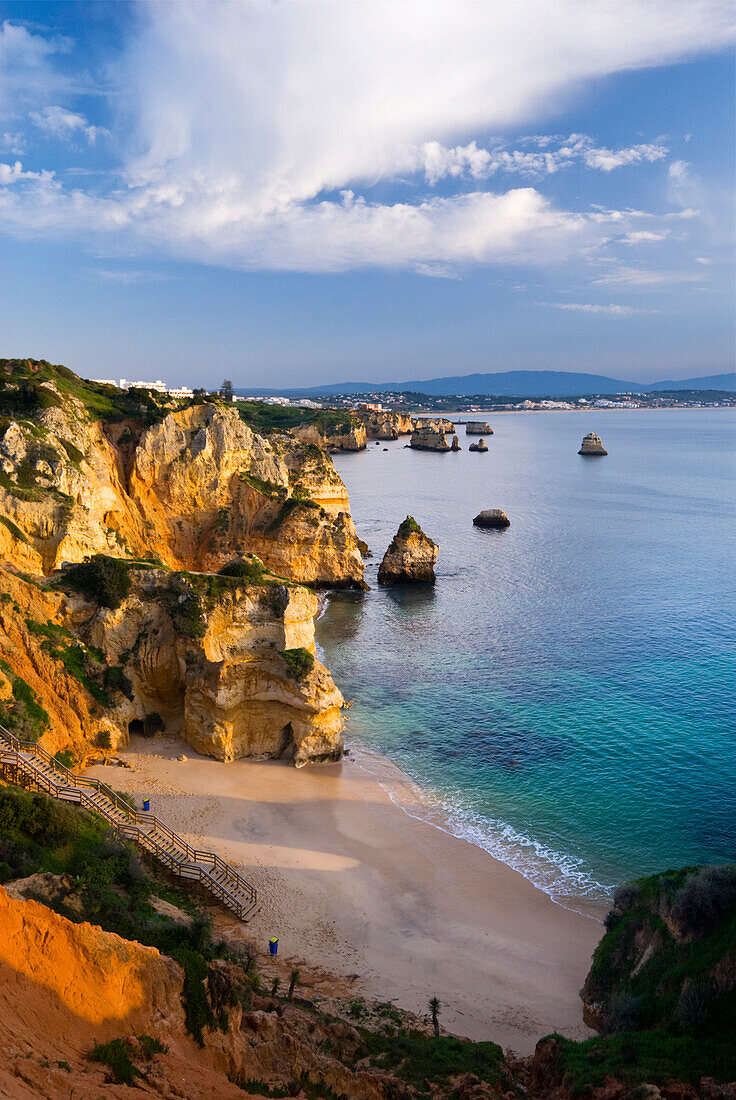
(434,1008)
(293,979)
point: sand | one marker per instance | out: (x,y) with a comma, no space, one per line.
(354,885)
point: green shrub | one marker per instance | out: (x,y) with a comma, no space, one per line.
(116,1055)
(418,1058)
(102,579)
(197,1010)
(299,662)
(66,757)
(705,897)
(249,571)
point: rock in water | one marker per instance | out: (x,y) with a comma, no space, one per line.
(410,558)
(592,445)
(479,446)
(429,439)
(478,427)
(492,517)
(455,444)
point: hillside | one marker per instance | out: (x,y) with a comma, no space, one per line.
(521,383)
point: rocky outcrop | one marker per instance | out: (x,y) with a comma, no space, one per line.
(350,436)
(481,445)
(492,517)
(410,558)
(385,424)
(193,490)
(592,445)
(228,665)
(437,423)
(429,439)
(478,427)
(455,446)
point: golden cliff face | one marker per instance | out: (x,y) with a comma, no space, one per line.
(194,491)
(216,673)
(229,665)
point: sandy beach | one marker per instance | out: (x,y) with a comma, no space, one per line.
(354,886)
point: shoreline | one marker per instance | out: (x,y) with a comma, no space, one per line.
(357,887)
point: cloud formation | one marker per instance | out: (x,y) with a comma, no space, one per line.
(256,139)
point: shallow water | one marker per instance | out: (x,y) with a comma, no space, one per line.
(564,694)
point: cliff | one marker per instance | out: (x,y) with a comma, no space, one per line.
(410,558)
(385,424)
(478,427)
(350,436)
(437,423)
(192,487)
(158,502)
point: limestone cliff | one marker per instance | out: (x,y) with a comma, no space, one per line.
(410,558)
(350,436)
(385,423)
(437,423)
(193,489)
(592,445)
(478,427)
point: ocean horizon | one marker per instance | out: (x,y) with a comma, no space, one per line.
(563,696)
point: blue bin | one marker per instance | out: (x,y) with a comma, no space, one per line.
(146,804)
(273,945)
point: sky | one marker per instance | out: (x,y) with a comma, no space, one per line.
(289,194)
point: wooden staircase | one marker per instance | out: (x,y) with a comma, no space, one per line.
(29,765)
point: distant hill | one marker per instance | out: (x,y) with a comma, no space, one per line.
(516,383)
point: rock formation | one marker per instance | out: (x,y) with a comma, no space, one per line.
(478,427)
(385,424)
(410,558)
(193,490)
(350,436)
(438,423)
(492,517)
(592,445)
(429,439)
(227,661)
(229,665)
(455,444)
(481,445)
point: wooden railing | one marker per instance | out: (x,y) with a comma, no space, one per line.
(144,829)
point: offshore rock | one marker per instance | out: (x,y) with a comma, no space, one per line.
(478,427)
(429,439)
(481,445)
(455,444)
(492,517)
(438,423)
(410,558)
(592,445)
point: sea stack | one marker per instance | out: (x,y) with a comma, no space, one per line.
(592,445)
(478,427)
(410,558)
(429,439)
(492,517)
(455,444)
(481,445)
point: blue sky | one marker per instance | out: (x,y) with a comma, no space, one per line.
(294,194)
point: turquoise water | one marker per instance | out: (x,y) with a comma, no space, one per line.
(565,693)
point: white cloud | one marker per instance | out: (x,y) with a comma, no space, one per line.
(589,307)
(235,133)
(622,276)
(13,173)
(439,162)
(64,124)
(25,72)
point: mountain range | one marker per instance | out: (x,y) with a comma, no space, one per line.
(519,383)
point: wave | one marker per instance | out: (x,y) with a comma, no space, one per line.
(563,877)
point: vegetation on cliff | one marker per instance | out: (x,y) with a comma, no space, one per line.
(662,987)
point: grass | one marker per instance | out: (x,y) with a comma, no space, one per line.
(118,1056)
(299,662)
(14,530)
(654,1057)
(263,417)
(26,718)
(84,663)
(417,1058)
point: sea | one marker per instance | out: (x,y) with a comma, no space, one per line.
(563,696)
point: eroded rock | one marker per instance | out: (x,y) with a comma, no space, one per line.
(410,558)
